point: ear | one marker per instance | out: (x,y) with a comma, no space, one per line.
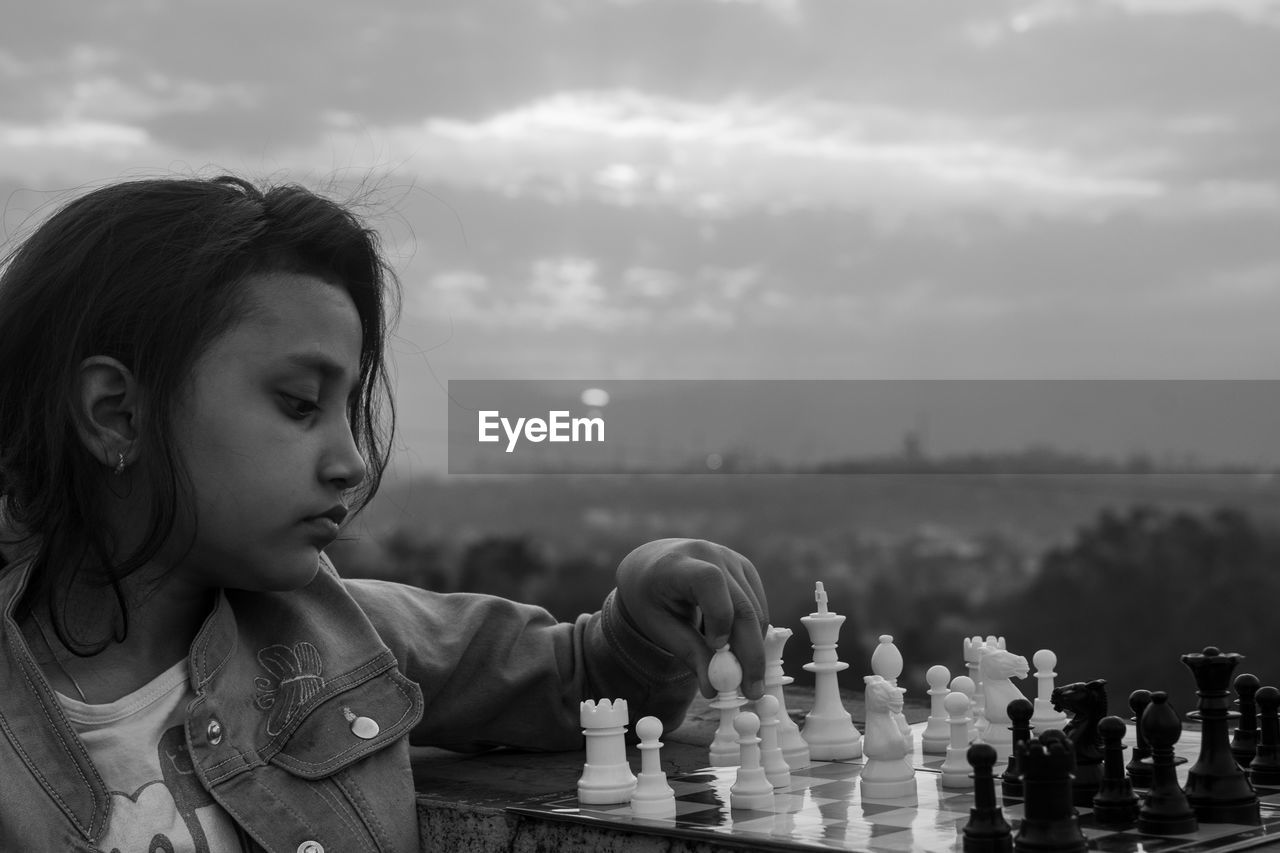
(108,414)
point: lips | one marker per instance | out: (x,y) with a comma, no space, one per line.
(326,527)
(336,513)
(327,523)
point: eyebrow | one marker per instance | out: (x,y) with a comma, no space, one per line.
(328,369)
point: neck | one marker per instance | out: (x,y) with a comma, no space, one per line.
(163,621)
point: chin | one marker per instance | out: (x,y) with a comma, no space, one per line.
(288,575)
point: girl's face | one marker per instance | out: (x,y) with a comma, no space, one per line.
(263,430)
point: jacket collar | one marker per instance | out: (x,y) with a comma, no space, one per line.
(32,719)
(261,661)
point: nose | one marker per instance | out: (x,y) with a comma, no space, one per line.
(343,465)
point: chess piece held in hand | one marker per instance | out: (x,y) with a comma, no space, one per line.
(725,674)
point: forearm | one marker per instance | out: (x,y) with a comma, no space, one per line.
(495,672)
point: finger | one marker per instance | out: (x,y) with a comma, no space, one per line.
(687,645)
(747,642)
(729,616)
(742,575)
(707,586)
(757,587)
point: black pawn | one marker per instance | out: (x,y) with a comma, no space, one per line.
(1115,804)
(1244,743)
(1019,711)
(1139,766)
(1049,821)
(1216,786)
(987,831)
(1265,768)
(1165,810)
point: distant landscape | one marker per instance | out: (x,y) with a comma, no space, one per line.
(1119,573)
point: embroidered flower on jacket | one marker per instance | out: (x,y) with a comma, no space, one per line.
(295,678)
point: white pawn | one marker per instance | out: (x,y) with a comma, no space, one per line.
(771,757)
(1044,716)
(652,796)
(606,776)
(964,684)
(725,674)
(794,749)
(751,790)
(886,662)
(937,734)
(955,767)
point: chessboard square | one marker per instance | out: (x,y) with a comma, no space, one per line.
(792,803)
(707,796)
(835,789)
(561,803)
(685,807)
(1127,842)
(842,835)
(925,841)
(923,819)
(832,770)
(1013,811)
(850,810)
(681,787)
(707,818)
(1222,830)
(605,812)
(1095,830)
(910,801)
(959,801)
(764,823)
(803,783)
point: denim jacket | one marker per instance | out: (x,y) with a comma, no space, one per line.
(279,678)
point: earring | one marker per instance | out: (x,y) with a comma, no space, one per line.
(120,464)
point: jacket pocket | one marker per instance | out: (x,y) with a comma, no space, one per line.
(350,725)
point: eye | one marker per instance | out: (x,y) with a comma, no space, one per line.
(299,407)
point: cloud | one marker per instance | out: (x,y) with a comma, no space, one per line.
(1251,11)
(720,156)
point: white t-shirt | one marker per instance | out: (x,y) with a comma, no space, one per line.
(137,744)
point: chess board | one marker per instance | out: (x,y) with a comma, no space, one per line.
(823,810)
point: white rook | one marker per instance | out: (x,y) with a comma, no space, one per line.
(606,777)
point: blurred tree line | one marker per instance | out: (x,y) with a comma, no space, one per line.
(1121,598)
(1135,590)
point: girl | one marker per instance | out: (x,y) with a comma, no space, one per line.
(192,394)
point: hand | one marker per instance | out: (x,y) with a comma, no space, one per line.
(664,586)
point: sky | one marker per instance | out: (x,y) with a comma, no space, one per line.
(717,189)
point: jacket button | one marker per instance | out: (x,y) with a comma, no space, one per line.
(311,847)
(214,732)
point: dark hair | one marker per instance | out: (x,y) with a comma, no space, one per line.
(150,272)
